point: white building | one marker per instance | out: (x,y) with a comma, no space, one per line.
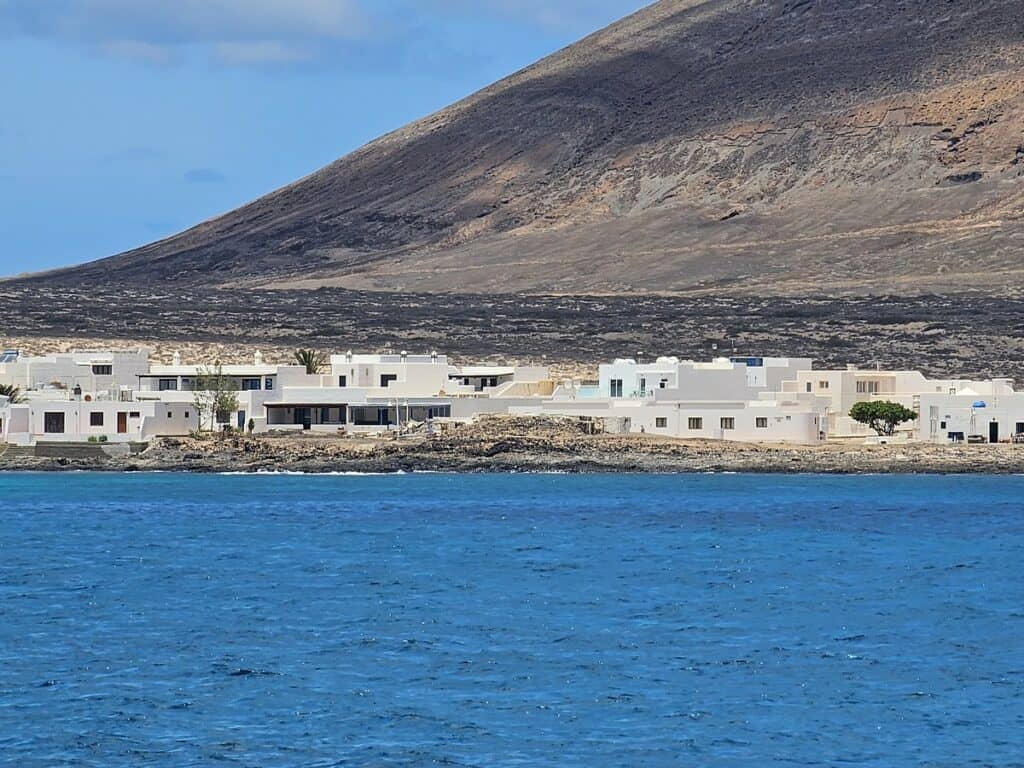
(993,418)
(841,389)
(724,378)
(725,399)
(119,397)
(99,374)
(77,421)
(255,384)
(374,393)
(752,421)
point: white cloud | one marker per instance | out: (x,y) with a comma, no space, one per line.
(267,32)
(148,53)
(264,52)
(159,31)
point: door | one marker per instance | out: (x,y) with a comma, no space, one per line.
(993,432)
(304,416)
(241,420)
(122,422)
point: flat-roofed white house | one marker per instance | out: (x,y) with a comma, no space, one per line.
(76,421)
(255,383)
(374,393)
(993,418)
(94,374)
(724,399)
(496,379)
(779,420)
(720,379)
(841,389)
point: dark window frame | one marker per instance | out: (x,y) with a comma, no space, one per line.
(50,421)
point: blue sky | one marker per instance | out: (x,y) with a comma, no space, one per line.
(125,121)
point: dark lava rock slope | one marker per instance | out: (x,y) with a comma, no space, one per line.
(745,146)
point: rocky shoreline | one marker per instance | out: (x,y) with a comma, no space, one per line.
(506,444)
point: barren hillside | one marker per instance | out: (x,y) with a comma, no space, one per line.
(744,146)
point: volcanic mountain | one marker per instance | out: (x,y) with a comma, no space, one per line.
(745,146)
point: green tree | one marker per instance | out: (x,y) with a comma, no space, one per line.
(313,361)
(12,393)
(883,416)
(215,396)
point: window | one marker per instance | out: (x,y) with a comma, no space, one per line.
(343,381)
(250,385)
(809,387)
(615,386)
(96,419)
(822,385)
(386,379)
(170,415)
(942,425)
(761,422)
(728,422)
(167,385)
(186,414)
(867,387)
(643,386)
(268,383)
(103,370)
(661,422)
(695,423)
(133,415)
(53,423)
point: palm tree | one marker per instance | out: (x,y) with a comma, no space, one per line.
(313,360)
(11,392)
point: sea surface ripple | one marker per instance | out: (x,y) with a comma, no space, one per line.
(422,620)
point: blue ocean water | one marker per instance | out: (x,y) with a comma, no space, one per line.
(164,620)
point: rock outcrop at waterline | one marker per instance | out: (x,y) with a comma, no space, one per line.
(768,146)
(520,444)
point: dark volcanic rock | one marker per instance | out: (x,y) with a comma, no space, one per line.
(767,147)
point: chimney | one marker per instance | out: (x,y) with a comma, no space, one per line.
(405,356)
(433,357)
(258,358)
(348,356)
(176,360)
